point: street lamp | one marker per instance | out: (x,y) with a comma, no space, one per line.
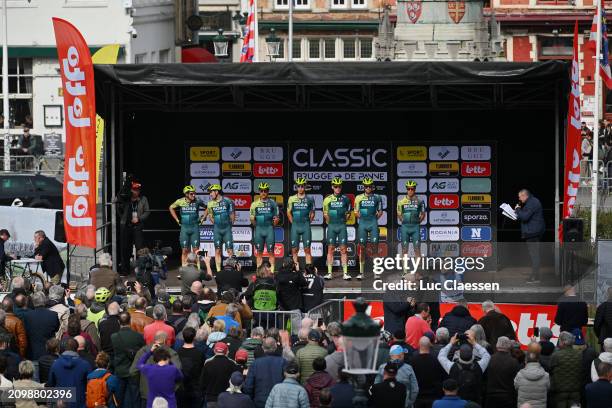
(273,43)
(220,42)
(360,336)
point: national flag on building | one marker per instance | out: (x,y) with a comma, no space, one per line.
(604,67)
(248,42)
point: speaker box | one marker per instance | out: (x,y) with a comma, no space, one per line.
(573,230)
(60,234)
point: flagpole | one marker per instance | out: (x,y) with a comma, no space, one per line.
(595,172)
(256,45)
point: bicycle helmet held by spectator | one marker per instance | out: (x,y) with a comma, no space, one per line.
(102,295)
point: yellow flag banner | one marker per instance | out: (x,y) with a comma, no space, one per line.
(105,55)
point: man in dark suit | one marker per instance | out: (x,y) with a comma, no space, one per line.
(4,257)
(52,263)
(529,213)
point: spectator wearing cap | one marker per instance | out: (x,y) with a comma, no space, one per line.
(241,358)
(572,312)
(405,374)
(216,374)
(458,320)
(429,374)
(495,323)
(399,338)
(104,276)
(289,393)
(192,361)
(466,367)
(389,392)
(159,314)
(451,397)
(502,371)
(599,393)
(417,325)
(318,381)
(547,347)
(603,318)
(264,373)
(532,383)
(307,354)
(233,396)
(231,277)
(566,372)
(191,273)
(133,212)
(161,376)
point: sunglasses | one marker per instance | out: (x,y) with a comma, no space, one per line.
(411,188)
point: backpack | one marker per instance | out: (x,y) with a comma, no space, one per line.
(97,391)
(177,323)
(469,381)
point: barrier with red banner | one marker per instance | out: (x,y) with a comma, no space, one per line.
(523,317)
(79,194)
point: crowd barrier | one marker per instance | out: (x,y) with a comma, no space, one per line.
(329,311)
(281,319)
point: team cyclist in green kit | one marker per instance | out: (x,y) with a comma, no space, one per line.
(300,212)
(368,209)
(190,221)
(410,214)
(264,216)
(336,211)
(220,211)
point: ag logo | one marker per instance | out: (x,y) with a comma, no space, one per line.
(444,185)
(236,185)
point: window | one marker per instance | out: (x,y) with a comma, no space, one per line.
(302,4)
(16,185)
(349,48)
(281,50)
(20,92)
(359,4)
(297,49)
(338,4)
(314,48)
(140,58)
(281,4)
(555,47)
(365,48)
(329,48)
(164,56)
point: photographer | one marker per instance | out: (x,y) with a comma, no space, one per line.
(133,212)
(144,270)
(231,277)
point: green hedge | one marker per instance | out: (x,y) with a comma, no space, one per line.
(604,223)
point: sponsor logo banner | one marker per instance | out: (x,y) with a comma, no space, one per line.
(276,185)
(383,198)
(204,153)
(411,253)
(383,219)
(201,185)
(318,218)
(340,157)
(268,153)
(444,153)
(476,153)
(236,153)
(327,176)
(411,153)
(476,233)
(476,185)
(241,201)
(206,234)
(444,217)
(204,170)
(242,218)
(382,233)
(448,169)
(276,197)
(476,217)
(420,188)
(443,249)
(231,185)
(444,201)
(268,170)
(444,185)
(241,250)
(382,250)
(414,9)
(318,233)
(279,234)
(318,199)
(242,233)
(316,249)
(236,169)
(476,169)
(476,200)
(444,234)
(279,251)
(350,250)
(351,233)
(416,169)
(477,249)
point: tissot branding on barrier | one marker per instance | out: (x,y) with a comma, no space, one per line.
(441,169)
(415,169)
(476,200)
(444,234)
(236,153)
(268,153)
(242,233)
(443,201)
(411,153)
(477,249)
(476,153)
(478,233)
(268,170)
(476,217)
(204,170)
(276,185)
(444,153)
(236,185)
(444,185)
(204,153)
(420,188)
(476,185)
(236,169)
(444,217)
(443,249)
(201,185)
(340,157)
(241,201)
(476,169)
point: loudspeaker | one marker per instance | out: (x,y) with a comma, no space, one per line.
(573,230)
(59,235)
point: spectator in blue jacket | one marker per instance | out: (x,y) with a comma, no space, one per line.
(450,399)
(599,393)
(529,213)
(289,393)
(265,373)
(70,370)
(112,382)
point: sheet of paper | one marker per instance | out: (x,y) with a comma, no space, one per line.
(508,211)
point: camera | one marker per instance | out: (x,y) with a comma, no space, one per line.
(133,32)
(462,338)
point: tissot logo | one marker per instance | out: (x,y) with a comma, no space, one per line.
(340,157)
(268,170)
(444,201)
(476,169)
(241,202)
(236,185)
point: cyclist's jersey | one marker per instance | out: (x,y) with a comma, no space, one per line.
(410,210)
(367,206)
(263,212)
(336,208)
(221,211)
(300,208)
(189,210)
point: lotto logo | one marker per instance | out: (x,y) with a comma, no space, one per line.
(443,201)
(241,202)
(268,170)
(475,169)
